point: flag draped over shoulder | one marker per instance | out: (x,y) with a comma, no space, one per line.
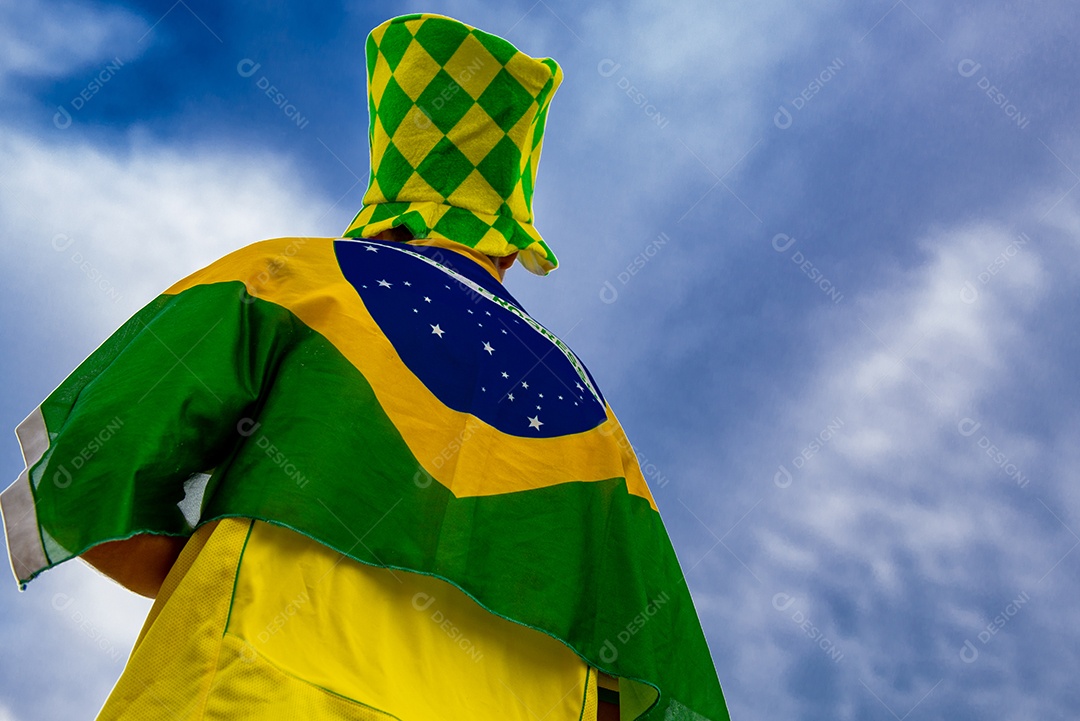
(396,404)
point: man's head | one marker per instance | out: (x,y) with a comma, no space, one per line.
(401,234)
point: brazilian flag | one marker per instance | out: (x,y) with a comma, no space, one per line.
(394,392)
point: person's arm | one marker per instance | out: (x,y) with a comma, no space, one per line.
(109,452)
(139,563)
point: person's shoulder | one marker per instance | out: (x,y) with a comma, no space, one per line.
(284,247)
(261,260)
(275,251)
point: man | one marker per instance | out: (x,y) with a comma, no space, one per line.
(360,481)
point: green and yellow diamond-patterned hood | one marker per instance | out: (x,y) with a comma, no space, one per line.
(456,126)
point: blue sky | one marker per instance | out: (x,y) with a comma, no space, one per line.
(820,257)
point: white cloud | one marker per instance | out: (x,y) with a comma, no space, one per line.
(711,69)
(53,39)
(918,360)
(100,233)
(87,611)
(898,512)
(69,619)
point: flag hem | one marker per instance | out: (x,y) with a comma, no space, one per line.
(26,550)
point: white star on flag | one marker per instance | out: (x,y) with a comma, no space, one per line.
(437,330)
(384,284)
(488,348)
(534,422)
